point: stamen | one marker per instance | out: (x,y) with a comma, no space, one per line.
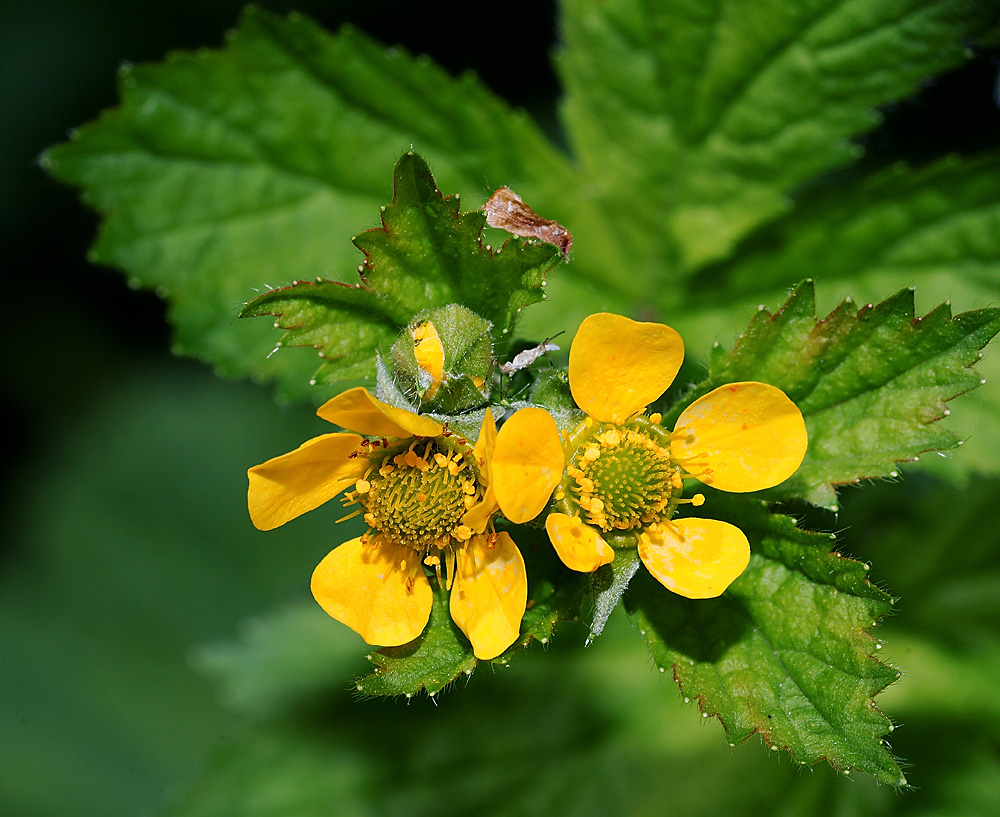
(697,500)
(696,467)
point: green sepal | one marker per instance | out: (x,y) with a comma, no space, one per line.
(468,359)
(606,587)
(785,652)
(441,654)
(387,389)
(871,383)
(431,662)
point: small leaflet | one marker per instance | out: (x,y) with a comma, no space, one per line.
(507,210)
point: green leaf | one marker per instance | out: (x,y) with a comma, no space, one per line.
(425,255)
(937,227)
(611,742)
(348,324)
(226,171)
(879,233)
(871,383)
(940,541)
(785,651)
(698,119)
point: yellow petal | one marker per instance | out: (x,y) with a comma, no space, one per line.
(487,442)
(578,545)
(359,411)
(287,486)
(429,352)
(527,464)
(749,435)
(489,593)
(379,590)
(695,558)
(479,514)
(618,366)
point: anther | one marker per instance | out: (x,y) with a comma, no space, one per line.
(697,500)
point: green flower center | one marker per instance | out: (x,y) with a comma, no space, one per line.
(623,476)
(418,495)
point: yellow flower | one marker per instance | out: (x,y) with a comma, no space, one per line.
(624,474)
(427,496)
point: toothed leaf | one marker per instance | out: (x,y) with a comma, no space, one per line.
(871,383)
(425,255)
(226,171)
(935,227)
(698,119)
(785,652)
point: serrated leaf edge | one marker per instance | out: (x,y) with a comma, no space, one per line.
(759,729)
(806,289)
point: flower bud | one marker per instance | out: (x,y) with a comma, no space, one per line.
(444,358)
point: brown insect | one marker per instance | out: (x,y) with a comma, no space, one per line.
(507,210)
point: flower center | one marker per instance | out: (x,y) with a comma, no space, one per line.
(417,495)
(623,476)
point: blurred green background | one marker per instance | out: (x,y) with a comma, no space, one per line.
(160,656)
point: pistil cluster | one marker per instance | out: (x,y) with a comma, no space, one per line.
(416,493)
(622,477)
